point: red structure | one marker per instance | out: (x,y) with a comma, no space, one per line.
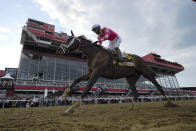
(44,31)
(7,85)
(156,59)
(2,73)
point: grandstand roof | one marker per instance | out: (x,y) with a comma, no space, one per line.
(189,88)
(7,76)
(155,59)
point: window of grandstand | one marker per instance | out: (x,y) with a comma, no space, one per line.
(55,69)
(30,21)
(12,71)
(34,28)
(57,34)
(50,27)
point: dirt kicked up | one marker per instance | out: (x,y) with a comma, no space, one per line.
(148,116)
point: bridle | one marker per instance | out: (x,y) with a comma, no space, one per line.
(66,45)
(63,46)
(71,42)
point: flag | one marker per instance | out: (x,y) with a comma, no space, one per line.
(45,93)
(53,91)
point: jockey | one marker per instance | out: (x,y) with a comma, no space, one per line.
(108,34)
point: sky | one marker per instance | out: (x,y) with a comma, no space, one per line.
(164,27)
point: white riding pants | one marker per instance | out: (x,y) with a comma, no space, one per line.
(114,43)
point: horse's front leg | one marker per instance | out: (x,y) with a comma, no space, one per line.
(93,78)
(70,89)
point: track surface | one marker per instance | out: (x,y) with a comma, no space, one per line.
(147,116)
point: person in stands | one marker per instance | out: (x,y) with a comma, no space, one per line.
(108,34)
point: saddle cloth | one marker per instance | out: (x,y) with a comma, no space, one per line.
(128,59)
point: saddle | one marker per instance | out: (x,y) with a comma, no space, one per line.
(128,60)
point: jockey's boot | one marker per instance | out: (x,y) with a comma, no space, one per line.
(120,58)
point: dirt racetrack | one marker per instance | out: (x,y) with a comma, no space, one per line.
(147,116)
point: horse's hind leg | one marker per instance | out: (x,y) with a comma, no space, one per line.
(169,104)
(151,76)
(132,81)
(70,89)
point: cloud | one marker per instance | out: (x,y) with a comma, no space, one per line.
(3,32)
(139,23)
(2,36)
(3,29)
(10,45)
(165,27)
(11,59)
(70,13)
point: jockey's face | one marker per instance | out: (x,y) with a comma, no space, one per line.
(97,31)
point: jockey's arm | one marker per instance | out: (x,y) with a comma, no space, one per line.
(100,41)
(105,36)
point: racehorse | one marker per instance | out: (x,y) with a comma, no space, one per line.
(100,64)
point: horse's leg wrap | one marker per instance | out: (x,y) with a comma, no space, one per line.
(74,106)
(65,94)
(70,89)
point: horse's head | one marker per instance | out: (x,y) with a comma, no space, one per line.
(71,44)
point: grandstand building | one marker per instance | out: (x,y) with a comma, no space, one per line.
(40,67)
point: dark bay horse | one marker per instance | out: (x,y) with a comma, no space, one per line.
(100,64)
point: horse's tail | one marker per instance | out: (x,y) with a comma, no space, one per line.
(142,67)
(145,70)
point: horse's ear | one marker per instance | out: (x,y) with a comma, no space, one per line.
(72,33)
(95,42)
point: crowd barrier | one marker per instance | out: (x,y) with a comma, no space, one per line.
(57,102)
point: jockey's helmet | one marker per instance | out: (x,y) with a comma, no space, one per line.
(96,28)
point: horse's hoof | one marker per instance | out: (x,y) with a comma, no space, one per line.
(67,114)
(69,111)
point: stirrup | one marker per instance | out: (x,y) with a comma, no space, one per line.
(120,58)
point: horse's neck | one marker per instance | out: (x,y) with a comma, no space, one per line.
(89,51)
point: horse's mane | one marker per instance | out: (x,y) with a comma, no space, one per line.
(83,37)
(94,44)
